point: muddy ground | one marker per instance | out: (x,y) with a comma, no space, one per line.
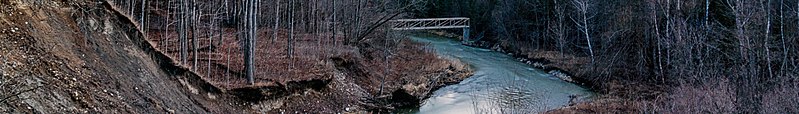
(85,57)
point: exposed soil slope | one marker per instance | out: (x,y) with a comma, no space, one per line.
(80,57)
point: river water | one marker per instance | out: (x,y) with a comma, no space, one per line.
(500,84)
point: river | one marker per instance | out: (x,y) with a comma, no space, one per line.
(500,84)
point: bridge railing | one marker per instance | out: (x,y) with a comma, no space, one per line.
(431,23)
(434,23)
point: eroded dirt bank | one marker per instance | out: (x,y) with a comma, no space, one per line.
(80,57)
(85,57)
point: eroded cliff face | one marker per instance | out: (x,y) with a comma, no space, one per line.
(79,57)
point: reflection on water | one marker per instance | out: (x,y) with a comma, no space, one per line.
(500,84)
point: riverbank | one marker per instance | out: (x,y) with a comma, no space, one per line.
(321,75)
(615,96)
(367,82)
(555,63)
(500,84)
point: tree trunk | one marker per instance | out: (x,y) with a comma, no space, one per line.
(588,37)
(194,32)
(182,33)
(289,47)
(333,26)
(782,38)
(707,18)
(582,7)
(249,19)
(141,19)
(277,21)
(767,8)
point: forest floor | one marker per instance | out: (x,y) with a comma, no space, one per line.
(86,57)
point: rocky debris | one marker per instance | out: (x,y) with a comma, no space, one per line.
(561,75)
(497,48)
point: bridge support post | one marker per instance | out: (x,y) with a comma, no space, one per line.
(466,39)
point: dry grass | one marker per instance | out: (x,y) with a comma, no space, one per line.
(720,97)
(781,100)
(602,106)
(622,97)
(716,97)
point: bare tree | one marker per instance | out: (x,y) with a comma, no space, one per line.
(210,35)
(358,17)
(707,18)
(333,24)
(249,18)
(583,8)
(141,18)
(559,29)
(743,12)
(194,32)
(782,36)
(249,37)
(657,50)
(315,14)
(277,20)
(767,8)
(289,48)
(182,32)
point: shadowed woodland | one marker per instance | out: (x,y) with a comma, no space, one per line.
(685,56)
(332,56)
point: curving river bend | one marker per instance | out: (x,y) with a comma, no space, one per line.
(500,84)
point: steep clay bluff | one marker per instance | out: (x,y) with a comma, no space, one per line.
(80,57)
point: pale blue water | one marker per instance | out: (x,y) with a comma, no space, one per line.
(501,84)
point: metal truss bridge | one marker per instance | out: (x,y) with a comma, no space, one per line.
(433,23)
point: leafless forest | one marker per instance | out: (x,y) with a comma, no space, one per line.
(709,56)
(234,38)
(331,56)
(213,56)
